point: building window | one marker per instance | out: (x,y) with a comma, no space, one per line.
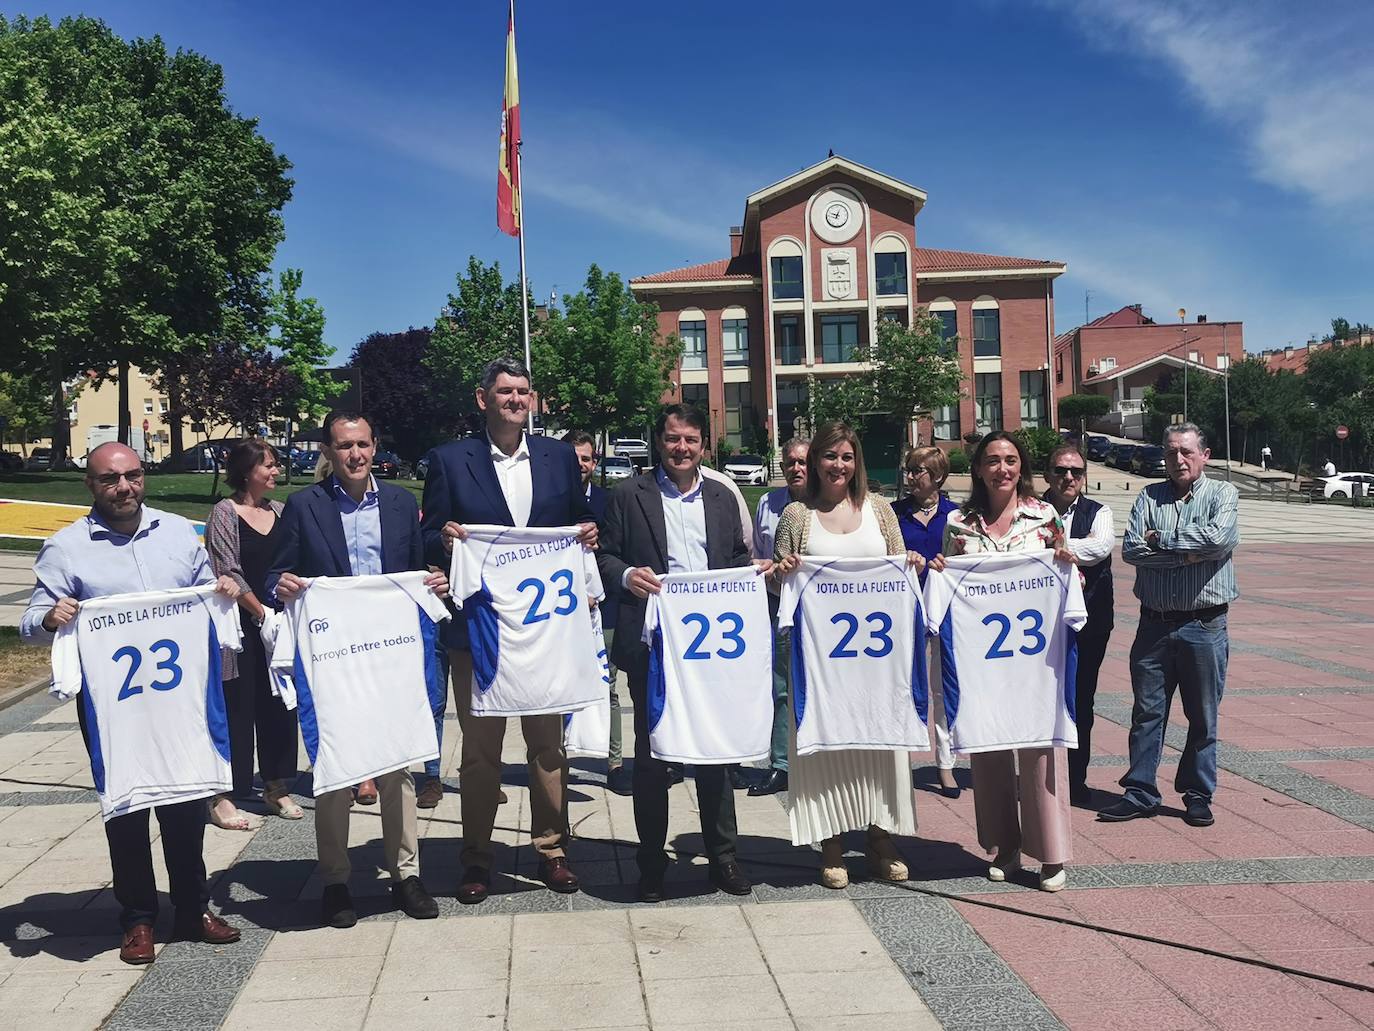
(739,412)
(787,278)
(734,335)
(71,413)
(987,389)
(1223,362)
(693,336)
(947,422)
(787,346)
(987,333)
(147,406)
(793,408)
(1059,368)
(1192,356)
(698,395)
(1107,363)
(162,405)
(839,338)
(897,315)
(1033,399)
(891,273)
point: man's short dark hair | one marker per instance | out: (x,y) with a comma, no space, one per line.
(1052,459)
(690,414)
(345,415)
(576,438)
(508,365)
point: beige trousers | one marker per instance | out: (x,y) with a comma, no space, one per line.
(1021,800)
(400,836)
(480,773)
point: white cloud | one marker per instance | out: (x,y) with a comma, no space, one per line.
(1294,79)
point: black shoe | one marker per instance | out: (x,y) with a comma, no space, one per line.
(412,899)
(729,878)
(336,906)
(1120,811)
(474,886)
(651,888)
(773,781)
(620,781)
(739,780)
(1081,795)
(1199,814)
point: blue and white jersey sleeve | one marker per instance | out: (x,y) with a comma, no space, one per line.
(1007,624)
(859,676)
(587,732)
(361,656)
(147,669)
(524,593)
(709,692)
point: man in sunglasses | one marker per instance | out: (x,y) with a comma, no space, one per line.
(1091,540)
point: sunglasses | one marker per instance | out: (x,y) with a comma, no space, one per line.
(1075,471)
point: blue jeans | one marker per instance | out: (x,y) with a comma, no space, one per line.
(438,702)
(1189,657)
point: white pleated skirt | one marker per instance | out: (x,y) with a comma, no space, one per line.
(829,793)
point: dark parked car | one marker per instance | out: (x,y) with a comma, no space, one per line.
(422,467)
(1121,456)
(386,465)
(10,462)
(1149,461)
(1098,448)
(198,458)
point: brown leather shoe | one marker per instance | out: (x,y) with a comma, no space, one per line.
(208,928)
(558,875)
(137,946)
(474,886)
(430,795)
(366,793)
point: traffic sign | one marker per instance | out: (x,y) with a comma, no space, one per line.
(145,426)
(1342,432)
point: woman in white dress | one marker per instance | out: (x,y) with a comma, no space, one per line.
(855,789)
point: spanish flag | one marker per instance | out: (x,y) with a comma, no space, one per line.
(508,171)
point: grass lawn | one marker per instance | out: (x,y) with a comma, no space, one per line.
(19,663)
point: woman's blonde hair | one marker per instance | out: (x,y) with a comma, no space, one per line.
(827,435)
(932,460)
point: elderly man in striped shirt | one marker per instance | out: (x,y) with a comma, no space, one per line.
(1180,538)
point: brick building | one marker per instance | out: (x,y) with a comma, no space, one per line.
(1128,337)
(820,258)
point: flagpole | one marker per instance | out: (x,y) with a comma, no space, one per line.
(524,286)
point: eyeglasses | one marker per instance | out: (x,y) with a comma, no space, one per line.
(112,479)
(1076,471)
(918,472)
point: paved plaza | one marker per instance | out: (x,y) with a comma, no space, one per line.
(1286,876)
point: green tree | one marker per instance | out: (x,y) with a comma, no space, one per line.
(601,363)
(480,322)
(1340,329)
(141,211)
(25,408)
(1076,410)
(298,335)
(912,372)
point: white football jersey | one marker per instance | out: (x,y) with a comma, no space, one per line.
(710,687)
(360,654)
(587,732)
(147,667)
(523,592)
(858,654)
(1008,648)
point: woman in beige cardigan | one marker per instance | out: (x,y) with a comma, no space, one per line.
(836,791)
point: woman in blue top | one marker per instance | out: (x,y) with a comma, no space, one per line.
(921,516)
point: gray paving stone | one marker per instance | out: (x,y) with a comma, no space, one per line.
(989,1008)
(906,929)
(171,1011)
(194,975)
(955,970)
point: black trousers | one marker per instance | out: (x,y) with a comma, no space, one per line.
(250,706)
(650,785)
(131,857)
(1092,649)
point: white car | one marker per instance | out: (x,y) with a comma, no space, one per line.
(747,469)
(615,467)
(1342,485)
(631,448)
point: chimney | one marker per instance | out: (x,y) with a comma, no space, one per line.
(1202,318)
(1288,351)
(1135,308)
(736,240)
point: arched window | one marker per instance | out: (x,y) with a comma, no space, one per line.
(987,328)
(734,337)
(890,265)
(691,327)
(785,270)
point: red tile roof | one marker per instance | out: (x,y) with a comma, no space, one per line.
(746,266)
(930,259)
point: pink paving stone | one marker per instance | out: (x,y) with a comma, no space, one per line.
(1157,1015)
(1108,975)
(1208,900)
(1351,897)
(1355,774)
(1293,931)
(1358,1004)
(1347,964)
(1337,843)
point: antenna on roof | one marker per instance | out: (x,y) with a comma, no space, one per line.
(832,153)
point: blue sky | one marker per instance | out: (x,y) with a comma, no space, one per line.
(1215,155)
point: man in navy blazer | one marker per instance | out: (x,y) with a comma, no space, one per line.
(351,525)
(504,477)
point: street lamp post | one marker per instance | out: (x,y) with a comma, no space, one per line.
(1226,395)
(1182,331)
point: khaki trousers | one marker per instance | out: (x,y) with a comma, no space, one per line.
(480,773)
(1021,800)
(400,836)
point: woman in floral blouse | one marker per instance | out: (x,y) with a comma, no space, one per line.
(1003,514)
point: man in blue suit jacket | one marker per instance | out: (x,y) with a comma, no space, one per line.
(504,477)
(351,525)
(584,444)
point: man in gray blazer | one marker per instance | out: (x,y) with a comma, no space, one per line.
(667,520)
